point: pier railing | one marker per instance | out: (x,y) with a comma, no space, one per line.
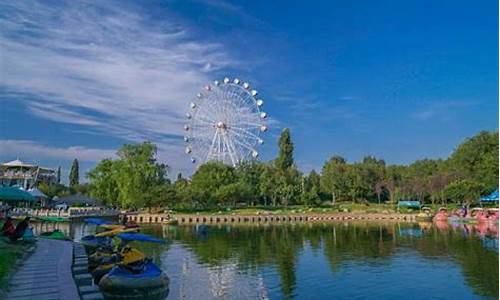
(72,212)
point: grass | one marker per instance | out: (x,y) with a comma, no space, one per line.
(302,209)
(9,254)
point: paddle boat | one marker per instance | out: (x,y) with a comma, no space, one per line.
(144,280)
(492,214)
(105,261)
(92,242)
(137,279)
(425,215)
(442,215)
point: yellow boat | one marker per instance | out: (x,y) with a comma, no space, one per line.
(112,226)
(126,256)
(425,215)
(116,232)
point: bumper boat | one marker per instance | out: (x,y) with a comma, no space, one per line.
(144,280)
(131,275)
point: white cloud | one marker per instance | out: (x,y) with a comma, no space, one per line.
(442,111)
(25,148)
(105,66)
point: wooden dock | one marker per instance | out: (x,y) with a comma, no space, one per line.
(46,274)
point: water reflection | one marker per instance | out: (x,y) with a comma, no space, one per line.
(324,261)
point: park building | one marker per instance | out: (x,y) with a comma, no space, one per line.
(26,176)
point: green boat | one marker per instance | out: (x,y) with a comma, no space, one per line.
(52,219)
(55,235)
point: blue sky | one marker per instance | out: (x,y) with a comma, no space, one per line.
(401,80)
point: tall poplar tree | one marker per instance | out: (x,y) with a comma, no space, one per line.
(285,156)
(74,174)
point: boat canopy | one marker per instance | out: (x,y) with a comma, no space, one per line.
(12,193)
(409,203)
(140,237)
(491,197)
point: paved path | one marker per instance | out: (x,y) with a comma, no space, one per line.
(46,274)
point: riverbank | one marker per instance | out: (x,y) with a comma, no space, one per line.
(283,218)
(355,208)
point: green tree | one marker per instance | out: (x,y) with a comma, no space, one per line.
(393,178)
(248,174)
(103,182)
(285,156)
(74,174)
(477,159)
(132,180)
(136,172)
(310,194)
(268,182)
(463,191)
(208,179)
(53,190)
(58,176)
(333,177)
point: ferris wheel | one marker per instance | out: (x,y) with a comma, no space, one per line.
(225,123)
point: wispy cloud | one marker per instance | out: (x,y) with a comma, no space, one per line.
(24,148)
(105,66)
(442,110)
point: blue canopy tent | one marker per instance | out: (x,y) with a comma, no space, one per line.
(15,195)
(491,197)
(409,204)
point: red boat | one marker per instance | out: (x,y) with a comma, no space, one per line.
(442,215)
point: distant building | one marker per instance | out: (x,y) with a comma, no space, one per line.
(25,175)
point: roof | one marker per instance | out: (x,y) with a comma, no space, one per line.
(17,163)
(35,192)
(491,197)
(77,199)
(10,193)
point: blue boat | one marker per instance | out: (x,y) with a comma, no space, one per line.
(92,242)
(138,281)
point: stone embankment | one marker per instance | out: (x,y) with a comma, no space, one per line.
(240,219)
(83,280)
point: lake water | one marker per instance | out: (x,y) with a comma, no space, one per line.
(326,261)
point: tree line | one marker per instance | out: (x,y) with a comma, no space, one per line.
(137,180)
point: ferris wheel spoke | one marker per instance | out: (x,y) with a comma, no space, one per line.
(245,145)
(243,130)
(205,120)
(229,149)
(245,134)
(247,124)
(212,146)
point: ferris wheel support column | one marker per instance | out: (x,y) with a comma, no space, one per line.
(230,149)
(211,150)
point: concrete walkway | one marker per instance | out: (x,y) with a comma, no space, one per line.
(46,274)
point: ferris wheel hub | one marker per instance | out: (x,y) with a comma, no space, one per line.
(221,125)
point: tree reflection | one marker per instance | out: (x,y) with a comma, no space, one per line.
(280,246)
